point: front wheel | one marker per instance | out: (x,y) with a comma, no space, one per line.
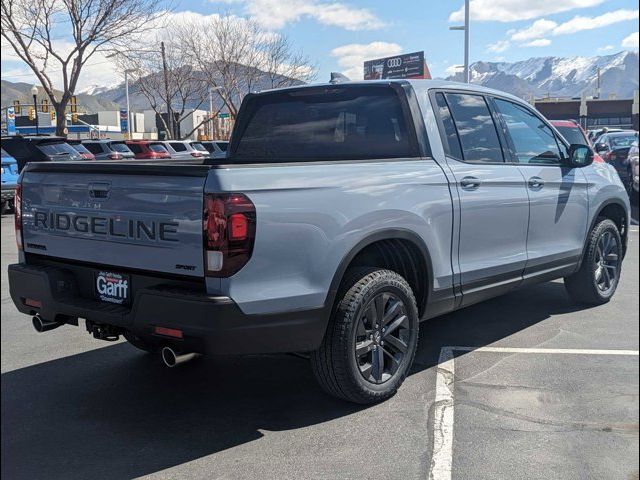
(371,338)
(599,275)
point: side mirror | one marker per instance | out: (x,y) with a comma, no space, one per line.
(601,147)
(580,156)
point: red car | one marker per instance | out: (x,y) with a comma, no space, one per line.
(143,149)
(81,149)
(574,133)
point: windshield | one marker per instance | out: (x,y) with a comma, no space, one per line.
(61,151)
(336,123)
(573,135)
(199,147)
(120,147)
(622,141)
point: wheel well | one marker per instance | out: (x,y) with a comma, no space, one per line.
(403,257)
(618,215)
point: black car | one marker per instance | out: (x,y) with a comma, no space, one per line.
(614,149)
(39,148)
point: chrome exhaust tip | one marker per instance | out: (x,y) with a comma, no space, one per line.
(42,325)
(171,358)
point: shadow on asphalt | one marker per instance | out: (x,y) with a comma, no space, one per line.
(115,412)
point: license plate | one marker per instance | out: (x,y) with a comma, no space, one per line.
(112,287)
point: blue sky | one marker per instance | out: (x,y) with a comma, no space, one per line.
(339,34)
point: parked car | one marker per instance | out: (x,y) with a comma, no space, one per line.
(217,148)
(634,171)
(108,149)
(39,148)
(146,150)
(574,134)
(180,149)
(326,232)
(614,149)
(81,149)
(9,181)
(201,148)
(598,132)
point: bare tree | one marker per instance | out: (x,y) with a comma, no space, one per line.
(237,56)
(172,81)
(32,28)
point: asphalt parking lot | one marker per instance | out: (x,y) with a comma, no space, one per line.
(529,386)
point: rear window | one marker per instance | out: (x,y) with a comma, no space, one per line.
(135,148)
(178,147)
(573,135)
(94,148)
(199,147)
(158,148)
(621,141)
(120,147)
(223,146)
(61,151)
(336,123)
(78,147)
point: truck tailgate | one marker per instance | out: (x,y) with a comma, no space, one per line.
(136,218)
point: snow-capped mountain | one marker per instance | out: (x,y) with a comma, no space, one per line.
(96,89)
(561,77)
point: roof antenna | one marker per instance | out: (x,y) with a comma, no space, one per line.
(337,77)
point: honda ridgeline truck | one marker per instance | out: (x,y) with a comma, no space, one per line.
(344,215)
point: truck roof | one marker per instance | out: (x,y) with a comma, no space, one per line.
(419,85)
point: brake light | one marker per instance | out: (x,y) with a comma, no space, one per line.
(196,154)
(115,156)
(229,229)
(17,203)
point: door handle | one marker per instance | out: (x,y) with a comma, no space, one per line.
(536,183)
(470,183)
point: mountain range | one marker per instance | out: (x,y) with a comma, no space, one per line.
(560,76)
(540,76)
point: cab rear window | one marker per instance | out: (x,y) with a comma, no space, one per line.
(334,123)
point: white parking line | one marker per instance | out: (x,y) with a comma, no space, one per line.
(442,458)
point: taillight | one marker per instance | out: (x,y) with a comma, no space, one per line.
(597,158)
(196,154)
(115,156)
(229,228)
(17,203)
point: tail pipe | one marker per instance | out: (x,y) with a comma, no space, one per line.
(171,358)
(42,325)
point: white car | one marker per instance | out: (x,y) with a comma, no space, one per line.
(180,149)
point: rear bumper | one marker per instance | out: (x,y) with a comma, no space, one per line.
(210,324)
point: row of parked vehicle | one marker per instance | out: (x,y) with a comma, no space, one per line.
(616,147)
(18,150)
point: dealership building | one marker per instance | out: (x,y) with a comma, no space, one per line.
(593,113)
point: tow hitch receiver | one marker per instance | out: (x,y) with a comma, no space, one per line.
(102,331)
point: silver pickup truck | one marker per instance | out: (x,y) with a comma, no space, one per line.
(344,215)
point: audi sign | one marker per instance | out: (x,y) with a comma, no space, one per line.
(409,65)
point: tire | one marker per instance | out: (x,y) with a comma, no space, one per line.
(139,343)
(348,363)
(597,280)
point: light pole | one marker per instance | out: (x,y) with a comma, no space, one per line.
(465,28)
(34,92)
(126,91)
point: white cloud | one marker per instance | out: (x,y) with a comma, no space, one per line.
(515,10)
(352,57)
(537,29)
(453,69)
(578,24)
(541,42)
(499,46)
(275,14)
(631,41)
(606,48)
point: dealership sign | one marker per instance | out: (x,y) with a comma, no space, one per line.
(409,65)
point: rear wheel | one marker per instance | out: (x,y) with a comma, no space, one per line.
(598,277)
(371,338)
(139,343)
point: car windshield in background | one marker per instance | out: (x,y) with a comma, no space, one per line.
(80,148)
(573,135)
(622,141)
(324,124)
(61,150)
(199,147)
(156,147)
(223,146)
(120,148)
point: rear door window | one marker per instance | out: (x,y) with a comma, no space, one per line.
(452,143)
(335,123)
(476,128)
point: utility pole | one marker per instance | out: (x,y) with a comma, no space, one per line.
(166,91)
(465,28)
(126,89)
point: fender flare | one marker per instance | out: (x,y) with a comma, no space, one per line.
(603,205)
(386,234)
